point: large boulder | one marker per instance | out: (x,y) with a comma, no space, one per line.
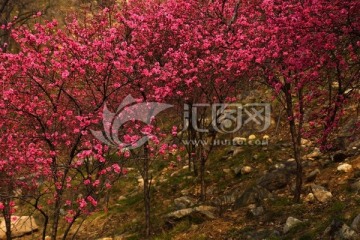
(205,212)
(224,201)
(184,202)
(347,233)
(20,225)
(305,143)
(255,194)
(180,213)
(340,231)
(356,223)
(291,222)
(345,167)
(310,198)
(274,180)
(320,193)
(312,175)
(315,154)
(288,166)
(256,211)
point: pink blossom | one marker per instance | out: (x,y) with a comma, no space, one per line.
(65,74)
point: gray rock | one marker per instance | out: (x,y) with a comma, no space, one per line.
(246,170)
(184,202)
(356,223)
(258,234)
(255,194)
(333,229)
(312,175)
(237,170)
(310,198)
(355,186)
(290,223)
(205,211)
(274,180)
(208,211)
(320,193)
(237,151)
(340,231)
(289,166)
(180,213)
(224,201)
(347,233)
(279,166)
(256,211)
(314,155)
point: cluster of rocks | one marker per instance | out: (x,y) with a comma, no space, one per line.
(319,193)
(187,208)
(336,230)
(279,176)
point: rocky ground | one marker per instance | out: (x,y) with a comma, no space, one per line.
(249,196)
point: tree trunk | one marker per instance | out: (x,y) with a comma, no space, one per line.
(192,144)
(202,176)
(191,150)
(67,231)
(9,189)
(295,138)
(56,217)
(299,170)
(147,207)
(147,185)
(46,221)
(7,218)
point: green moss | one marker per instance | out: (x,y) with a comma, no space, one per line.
(337,209)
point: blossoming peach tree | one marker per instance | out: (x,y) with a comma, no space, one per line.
(55,87)
(53,91)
